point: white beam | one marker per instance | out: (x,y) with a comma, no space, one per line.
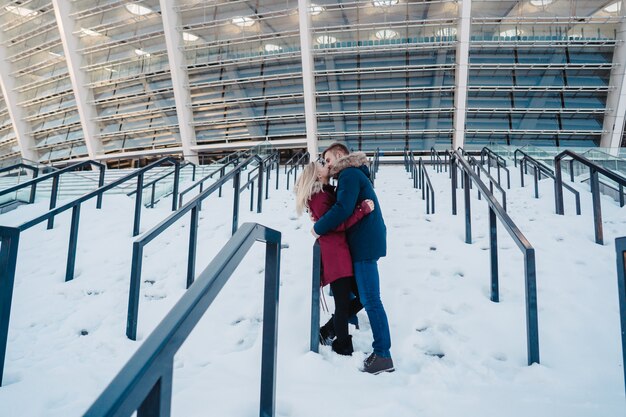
(180,79)
(615,114)
(82,94)
(461,74)
(308,77)
(21,128)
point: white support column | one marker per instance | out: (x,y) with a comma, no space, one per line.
(615,113)
(180,79)
(22,129)
(308,77)
(461,72)
(82,94)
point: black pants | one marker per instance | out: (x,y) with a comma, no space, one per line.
(344,306)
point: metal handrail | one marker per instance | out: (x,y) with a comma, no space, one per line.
(436,159)
(294,168)
(9,237)
(145,382)
(490,153)
(316,283)
(235,160)
(55,184)
(200,183)
(492,181)
(21,165)
(496,210)
(539,168)
(167,174)
(421,180)
(500,163)
(291,160)
(193,206)
(620,252)
(374,165)
(594,169)
(263,165)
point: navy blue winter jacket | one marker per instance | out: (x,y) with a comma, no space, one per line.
(368,238)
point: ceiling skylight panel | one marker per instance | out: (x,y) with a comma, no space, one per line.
(243,21)
(138,9)
(21,11)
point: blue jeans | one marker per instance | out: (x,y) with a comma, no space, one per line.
(367,280)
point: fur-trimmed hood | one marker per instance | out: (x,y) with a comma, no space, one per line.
(355,159)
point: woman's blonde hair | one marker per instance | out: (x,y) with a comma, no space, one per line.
(308,184)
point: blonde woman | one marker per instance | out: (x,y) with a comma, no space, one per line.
(315,195)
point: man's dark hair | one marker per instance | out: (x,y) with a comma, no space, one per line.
(336,146)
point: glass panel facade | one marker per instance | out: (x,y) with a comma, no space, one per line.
(9,148)
(539,73)
(384,71)
(36,61)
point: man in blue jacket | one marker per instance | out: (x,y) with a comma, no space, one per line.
(367,240)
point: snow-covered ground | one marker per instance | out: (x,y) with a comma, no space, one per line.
(456,353)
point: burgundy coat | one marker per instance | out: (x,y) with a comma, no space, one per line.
(336,259)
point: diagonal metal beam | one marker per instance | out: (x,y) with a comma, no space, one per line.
(82,93)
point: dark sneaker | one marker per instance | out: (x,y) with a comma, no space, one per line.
(343,347)
(327,333)
(375,364)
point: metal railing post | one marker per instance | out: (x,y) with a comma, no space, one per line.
(251,196)
(138,198)
(270,328)
(9,244)
(158,403)
(536,181)
(33,188)
(468,208)
(236,181)
(71,251)
(620,249)
(53,199)
(152,195)
(453,182)
(532,325)
(193,242)
(259,204)
(493,245)
(176,184)
(222,170)
(315,298)
(597,208)
(558,187)
(100,184)
(133,294)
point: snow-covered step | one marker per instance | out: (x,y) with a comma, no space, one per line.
(456,353)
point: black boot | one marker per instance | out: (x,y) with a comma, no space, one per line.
(327,333)
(343,347)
